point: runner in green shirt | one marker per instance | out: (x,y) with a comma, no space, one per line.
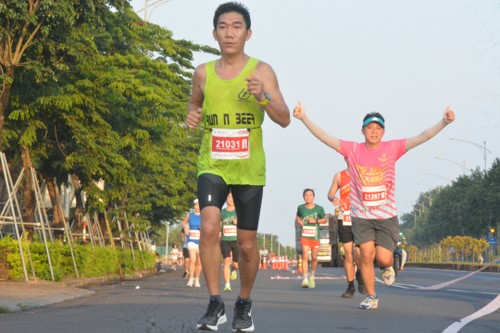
(228,244)
(310,216)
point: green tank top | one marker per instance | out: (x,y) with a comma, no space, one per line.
(228,105)
(228,228)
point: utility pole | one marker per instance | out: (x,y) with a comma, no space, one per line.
(482,147)
(166,239)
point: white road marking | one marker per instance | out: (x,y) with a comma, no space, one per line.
(485,310)
(453,328)
(300,277)
(449,283)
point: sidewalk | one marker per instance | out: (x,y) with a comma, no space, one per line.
(22,296)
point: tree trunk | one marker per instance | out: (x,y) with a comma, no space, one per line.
(4,99)
(109,230)
(57,221)
(79,210)
(28,195)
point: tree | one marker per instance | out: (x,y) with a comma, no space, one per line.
(479,246)
(467,207)
(113,109)
(32,35)
(446,245)
(412,251)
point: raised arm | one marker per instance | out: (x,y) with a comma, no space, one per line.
(448,118)
(300,113)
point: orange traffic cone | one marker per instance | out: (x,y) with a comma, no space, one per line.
(299,266)
(84,231)
(264,264)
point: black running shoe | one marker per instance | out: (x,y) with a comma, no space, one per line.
(349,293)
(361,285)
(242,320)
(214,316)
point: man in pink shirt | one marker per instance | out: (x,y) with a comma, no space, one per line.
(372,170)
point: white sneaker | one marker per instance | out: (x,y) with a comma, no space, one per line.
(370,302)
(312,283)
(197,283)
(388,276)
(190,282)
(305,283)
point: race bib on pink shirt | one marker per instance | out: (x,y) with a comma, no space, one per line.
(374,196)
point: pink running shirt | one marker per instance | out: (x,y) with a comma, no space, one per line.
(373,177)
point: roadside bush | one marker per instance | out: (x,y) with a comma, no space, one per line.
(90,261)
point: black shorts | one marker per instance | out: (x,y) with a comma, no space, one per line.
(213,191)
(227,247)
(345,233)
(185,252)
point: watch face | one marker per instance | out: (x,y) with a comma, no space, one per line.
(267,96)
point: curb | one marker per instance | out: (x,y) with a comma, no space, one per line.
(23,296)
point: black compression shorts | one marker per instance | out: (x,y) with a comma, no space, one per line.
(345,233)
(213,191)
(227,247)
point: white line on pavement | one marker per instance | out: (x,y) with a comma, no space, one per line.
(485,310)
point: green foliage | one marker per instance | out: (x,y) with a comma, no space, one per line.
(90,261)
(101,95)
(412,252)
(450,249)
(159,235)
(464,247)
(467,207)
(9,255)
(40,260)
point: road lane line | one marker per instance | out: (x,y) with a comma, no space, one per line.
(449,283)
(300,277)
(485,310)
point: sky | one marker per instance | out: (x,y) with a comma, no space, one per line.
(407,60)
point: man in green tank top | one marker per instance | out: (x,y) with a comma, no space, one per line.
(230,97)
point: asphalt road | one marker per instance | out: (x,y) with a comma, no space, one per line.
(162,303)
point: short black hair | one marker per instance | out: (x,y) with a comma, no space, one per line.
(307,190)
(232,7)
